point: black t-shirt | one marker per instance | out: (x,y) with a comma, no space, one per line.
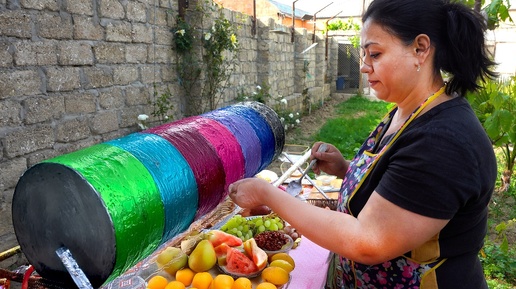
(442,166)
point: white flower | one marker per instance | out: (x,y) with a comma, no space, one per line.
(291,115)
(258,87)
(255,93)
(297,113)
(166,116)
(182,32)
(292,125)
(284,101)
(143,117)
(298,121)
(213,28)
(286,127)
(207,36)
(282,119)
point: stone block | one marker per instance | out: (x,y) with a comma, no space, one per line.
(6,57)
(10,172)
(10,112)
(160,54)
(119,32)
(158,17)
(150,74)
(164,36)
(41,108)
(129,116)
(63,78)
(39,156)
(125,74)
(136,53)
(97,77)
(104,122)
(110,52)
(136,11)
(35,53)
(142,33)
(72,130)
(111,9)
(54,26)
(15,23)
(137,96)
(51,5)
(80,103)
(28,139)
(111,98)
(80,7)
(75,53)
(19,82)
(87,28)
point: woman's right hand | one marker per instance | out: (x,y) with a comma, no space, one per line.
(331,161)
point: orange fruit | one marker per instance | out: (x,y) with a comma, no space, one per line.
(157,282)
(185,276)
(283,256)
(242,283)
(175,285)
(275,275)
(222,281)
(202,280)
(266,285)
(282,264)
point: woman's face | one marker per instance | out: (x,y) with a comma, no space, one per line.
(390,65)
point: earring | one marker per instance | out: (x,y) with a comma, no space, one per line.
(418,68)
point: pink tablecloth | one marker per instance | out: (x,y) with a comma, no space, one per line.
(311,266)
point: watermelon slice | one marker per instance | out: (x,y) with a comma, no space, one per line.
(238,263)
(217,237)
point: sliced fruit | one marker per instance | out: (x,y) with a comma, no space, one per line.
(217,237)
(238,262)
(259,256)
(222,249)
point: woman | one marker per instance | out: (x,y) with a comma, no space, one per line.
(413,205)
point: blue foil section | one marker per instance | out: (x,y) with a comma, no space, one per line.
(261,128)
(172,174)
(245,135)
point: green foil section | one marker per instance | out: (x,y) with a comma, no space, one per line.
(131,197)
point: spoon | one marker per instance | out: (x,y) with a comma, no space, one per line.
(294,187)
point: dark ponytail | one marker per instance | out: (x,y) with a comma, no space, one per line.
(464,54)
(456,32)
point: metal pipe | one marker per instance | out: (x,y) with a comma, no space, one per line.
(9,253)
(326,53)
(293,21)
(315,20)
(253,26)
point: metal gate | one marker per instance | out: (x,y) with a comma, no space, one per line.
(348,69)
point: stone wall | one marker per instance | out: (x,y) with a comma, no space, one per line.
(76,73)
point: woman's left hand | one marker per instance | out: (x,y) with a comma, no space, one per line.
(250,192)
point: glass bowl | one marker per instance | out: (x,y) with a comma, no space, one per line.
(284,249)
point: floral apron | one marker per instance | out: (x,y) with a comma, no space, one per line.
(417,271)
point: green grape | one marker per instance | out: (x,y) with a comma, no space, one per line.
(239,234)
(258,222)
(261,229)
(267,223)
(280,226)
(273,227)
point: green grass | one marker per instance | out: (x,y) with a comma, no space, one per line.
(348,129)
(355,119)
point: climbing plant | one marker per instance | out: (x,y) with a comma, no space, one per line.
(206,46)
